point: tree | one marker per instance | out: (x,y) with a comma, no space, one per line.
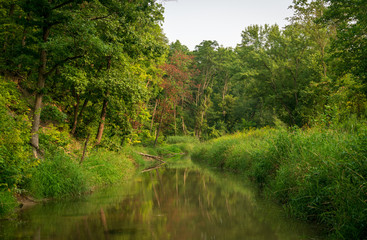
(306,15)
(80,39)
(177,84)
(205,57)
(351,42)
(223,99)
(278,66)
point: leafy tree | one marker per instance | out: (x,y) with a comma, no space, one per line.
(350,46)
(177,85)
(223,98)
(205,56)
(279,66)
(81,41)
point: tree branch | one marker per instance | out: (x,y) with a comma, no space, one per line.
(62,4)
(60,63)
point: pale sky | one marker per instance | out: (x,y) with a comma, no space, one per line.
(192,21)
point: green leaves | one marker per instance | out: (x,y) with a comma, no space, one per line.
(14,135)
(350,46)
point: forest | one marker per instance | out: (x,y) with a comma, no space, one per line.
(87,81)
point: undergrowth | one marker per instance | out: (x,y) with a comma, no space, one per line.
(7,202)
(59,175)
(318,175)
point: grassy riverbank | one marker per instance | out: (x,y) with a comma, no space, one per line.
(318,175)
(59,175)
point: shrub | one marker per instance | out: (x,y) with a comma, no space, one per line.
(14,135)
(53,114)
(52,138)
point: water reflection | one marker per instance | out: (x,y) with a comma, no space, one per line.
(164,203)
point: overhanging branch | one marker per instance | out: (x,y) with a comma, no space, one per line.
(62,4)
(61,63)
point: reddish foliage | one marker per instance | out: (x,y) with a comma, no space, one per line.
(176,84)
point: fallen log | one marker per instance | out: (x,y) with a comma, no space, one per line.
(151,156)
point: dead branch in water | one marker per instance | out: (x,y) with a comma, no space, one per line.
(152,168)
(151,156)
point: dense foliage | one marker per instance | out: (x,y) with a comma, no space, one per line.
(103,68)
(83,76)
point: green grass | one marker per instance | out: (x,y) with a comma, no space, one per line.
(183,144)
(105,167)
(59,175)
(318,175)
(7,203)
(181,139)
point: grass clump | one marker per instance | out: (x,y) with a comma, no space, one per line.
(318,175)
(183,144)
(106,167)
(181,139)
(58,176)
(7,202)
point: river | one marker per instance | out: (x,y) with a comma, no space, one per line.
(171,202)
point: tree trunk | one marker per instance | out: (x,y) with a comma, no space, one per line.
(38,102)
(85,149)
(159,127)
(174,118)
(183,126)
(225,89)
(83,108)
(154,111)
(76,110)
(79,116)
(104,108)
(101,124)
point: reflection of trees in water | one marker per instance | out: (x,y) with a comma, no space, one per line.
(170,204)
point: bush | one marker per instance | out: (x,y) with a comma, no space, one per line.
(53,114)
(14,134)
(52,138)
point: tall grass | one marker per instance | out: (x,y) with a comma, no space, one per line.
(105,167)
(181,139)
(183,144)
(318,175)
(59,175)
(7,202)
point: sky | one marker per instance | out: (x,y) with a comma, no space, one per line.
(192,21)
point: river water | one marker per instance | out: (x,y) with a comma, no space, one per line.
(170,202)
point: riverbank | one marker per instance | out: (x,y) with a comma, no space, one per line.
(317,175)
(59,175)
(179,200)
